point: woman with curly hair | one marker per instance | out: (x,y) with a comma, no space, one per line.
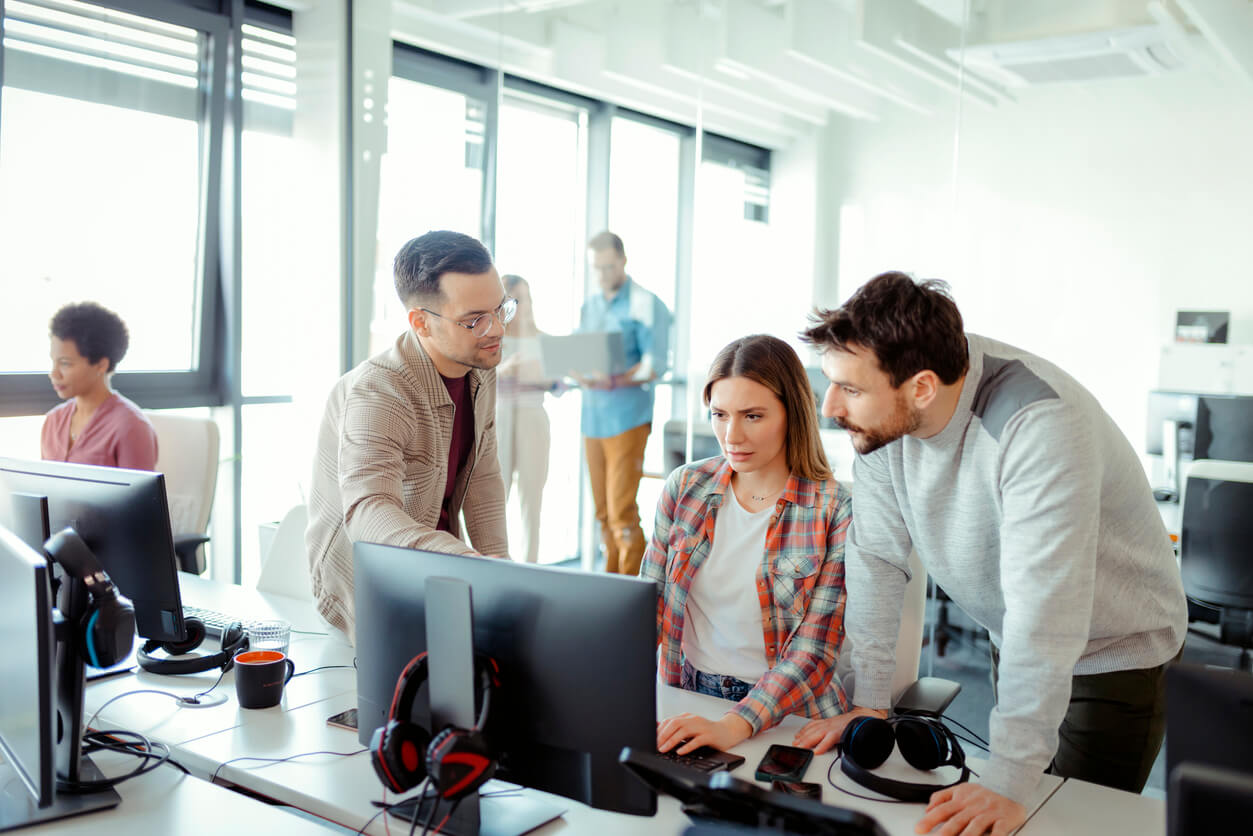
(95,425)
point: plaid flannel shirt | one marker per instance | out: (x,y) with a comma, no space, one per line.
(800,584)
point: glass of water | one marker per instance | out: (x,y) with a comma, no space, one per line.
(268,634)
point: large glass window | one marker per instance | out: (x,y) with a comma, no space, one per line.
(541,202)
(431,177)
(108,175)
(99,178)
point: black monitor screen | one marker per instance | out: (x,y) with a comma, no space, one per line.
(1209,717)
(123,518)
(577,657)
(1224,428)
(26,719)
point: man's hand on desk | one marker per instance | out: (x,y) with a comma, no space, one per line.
(722,734)
(821,735)
(971,810)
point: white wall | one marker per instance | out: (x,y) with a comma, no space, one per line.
(1080,219)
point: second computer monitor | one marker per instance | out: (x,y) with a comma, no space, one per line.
(577,655)
(122,516)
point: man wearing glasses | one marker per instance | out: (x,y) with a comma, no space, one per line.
(407,444)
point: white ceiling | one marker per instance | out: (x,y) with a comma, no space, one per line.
(769,70)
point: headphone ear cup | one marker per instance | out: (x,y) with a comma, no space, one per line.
(195,637)
(108,631)
(398,752)
(921,745)
(459,763)
(868,741)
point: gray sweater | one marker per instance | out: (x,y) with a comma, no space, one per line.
(1034,514)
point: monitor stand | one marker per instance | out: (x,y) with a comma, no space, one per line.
(451,685)
(18,809)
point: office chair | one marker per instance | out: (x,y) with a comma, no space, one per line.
(187,453)
(285,564)
(1215,551)
(930,694)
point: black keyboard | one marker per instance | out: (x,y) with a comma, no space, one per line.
(703,759)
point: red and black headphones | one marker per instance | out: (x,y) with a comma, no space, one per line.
(457,761)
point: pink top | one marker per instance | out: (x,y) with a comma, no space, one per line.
(118,435)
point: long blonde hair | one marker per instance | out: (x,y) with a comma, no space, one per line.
(773,363)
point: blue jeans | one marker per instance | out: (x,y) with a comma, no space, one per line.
(727,687)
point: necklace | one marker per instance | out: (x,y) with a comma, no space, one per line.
(764,497)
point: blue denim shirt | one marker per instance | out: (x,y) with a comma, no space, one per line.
(644,322)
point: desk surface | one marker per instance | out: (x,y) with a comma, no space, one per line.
(167,801)
(338,783)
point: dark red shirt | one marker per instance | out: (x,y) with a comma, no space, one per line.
(462,439)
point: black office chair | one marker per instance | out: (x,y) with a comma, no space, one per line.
(1216,550)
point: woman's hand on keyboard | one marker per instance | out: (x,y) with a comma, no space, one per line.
(693,732)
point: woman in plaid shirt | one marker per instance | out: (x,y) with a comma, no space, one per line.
(749,547)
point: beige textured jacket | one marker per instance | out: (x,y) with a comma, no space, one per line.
(381,467)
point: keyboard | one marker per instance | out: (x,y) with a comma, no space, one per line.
(214,622)
(703,759)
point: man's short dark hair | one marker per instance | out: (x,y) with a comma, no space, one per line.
(96,331)
(909,325)
(423,261)
(606,240)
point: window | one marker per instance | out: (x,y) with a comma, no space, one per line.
(103,170)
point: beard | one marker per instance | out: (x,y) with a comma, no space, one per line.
(903,421)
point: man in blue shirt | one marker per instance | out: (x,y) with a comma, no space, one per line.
(618,408)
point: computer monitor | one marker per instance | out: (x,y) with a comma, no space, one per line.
(1224,428)
(122,516)
(26,669)
(578,664)
(1209,717)
(41,701)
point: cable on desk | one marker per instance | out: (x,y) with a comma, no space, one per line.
(140,746)
(183,702)
(322,668)
(311,632)
(214,776)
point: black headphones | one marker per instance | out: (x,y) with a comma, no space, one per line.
(108,625)
(925,743)
(234,640)
(457,761)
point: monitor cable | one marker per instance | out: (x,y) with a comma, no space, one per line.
(151,756)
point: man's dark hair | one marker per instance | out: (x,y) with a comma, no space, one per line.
(96,331)
(606,240)
(909,325)
(422,261)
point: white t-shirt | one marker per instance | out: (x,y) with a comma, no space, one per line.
(722,632)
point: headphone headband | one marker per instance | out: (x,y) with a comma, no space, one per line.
(415,674)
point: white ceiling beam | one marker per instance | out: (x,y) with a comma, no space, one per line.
(1228,26)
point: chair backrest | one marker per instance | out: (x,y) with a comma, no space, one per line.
(187,453)
(908,640)
(1215,551)
(285,566)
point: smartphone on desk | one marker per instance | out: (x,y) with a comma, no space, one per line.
(784,763)
(344,720)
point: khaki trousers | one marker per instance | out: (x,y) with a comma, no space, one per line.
(615,465)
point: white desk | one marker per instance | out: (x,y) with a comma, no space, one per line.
(1079,808)
(167,801)
(341,788)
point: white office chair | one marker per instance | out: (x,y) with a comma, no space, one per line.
(285,566)
(187,453)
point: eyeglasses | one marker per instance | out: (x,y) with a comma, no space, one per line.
(481,324)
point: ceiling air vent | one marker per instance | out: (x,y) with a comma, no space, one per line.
(1092,56)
